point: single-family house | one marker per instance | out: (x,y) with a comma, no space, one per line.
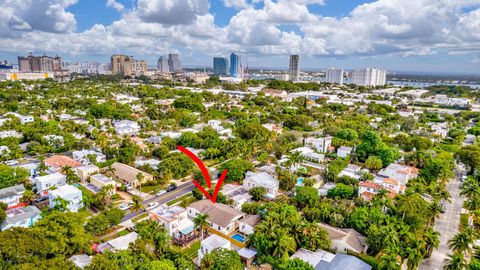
(275,93)
(221,217)
(174,219)
(118,244)
(323,260)
(153,163)
(345,240)
(69,193)
(264,180)
(344,151)
(11,196)
(98,181)
(57,162)
(54,140)
(210,243)
(84,156)
(81,260)
(238,194)
(321,145)
(126,127)
(4,151)
(23,118)
(10,133)
(84,172)
(46,182)
(323,191)
(247,224)
(21,217)
(130,175)
(399,172)
(353,171)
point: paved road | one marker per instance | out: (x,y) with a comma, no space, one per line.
(447,225)
(165,198)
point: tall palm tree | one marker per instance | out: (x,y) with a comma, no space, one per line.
(434,211)
(455,262)
(462,242)
(110,171)
(70,175)
(295,159)
(414,258)
(389,261)
(431,240)
(140,178)
(137,204)
(284,244)
(201,223)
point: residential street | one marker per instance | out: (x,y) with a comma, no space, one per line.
(165,198)
(447,226)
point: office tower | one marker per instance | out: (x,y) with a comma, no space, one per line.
(369,77)
(43,63)
(139,67)
(174,63)
(334,75)
(235,65)
(294,68)
(163,65)
(122,64)
(220,66)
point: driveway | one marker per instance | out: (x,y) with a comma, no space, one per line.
(165,198)
(447,225)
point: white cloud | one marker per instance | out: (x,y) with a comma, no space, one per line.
(115,5)
(171,12)
(236,3)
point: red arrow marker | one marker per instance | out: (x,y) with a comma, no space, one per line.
(206,175)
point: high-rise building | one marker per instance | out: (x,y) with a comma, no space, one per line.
(369,77)
(122,64)
(139,67)
(174,63)
(43,63)
(220,66)
(163,65)
(235,65)
(294,68)
(334,75)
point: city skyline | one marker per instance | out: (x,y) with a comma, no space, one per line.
(440,37)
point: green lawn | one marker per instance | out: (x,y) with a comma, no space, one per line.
(144,215)
(151,189)
(192,251)
(122,233)
(179,199)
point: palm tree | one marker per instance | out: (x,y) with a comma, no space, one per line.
(295,159)
(431,240)
(28,196)
(110,171)
(388,261)
(414,258)
(434,211)
(284,244)
(140,178)
(455,262)
(137,204)
(71,176)
(201,223)
(462,242)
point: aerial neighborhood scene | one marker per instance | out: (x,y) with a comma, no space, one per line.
(240,134)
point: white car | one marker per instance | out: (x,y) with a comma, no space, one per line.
(152,205)
(464,178)
(124,206)
(161,192)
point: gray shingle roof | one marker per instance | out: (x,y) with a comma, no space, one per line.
(10,191)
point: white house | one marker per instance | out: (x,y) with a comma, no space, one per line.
(99,181)
(238,194)
(264,180)
(247,224)
(210,243)
(154,163)
(344,151)
(118,244)
(10,133)
(84,172)
(322,145)
(11,195)
(221,217)
(83,156)
(174,219)
(399,172)
(23,119)
(21,217)
(4,151)
(126,127)
(345,240)
(353,171)
(44,183)
(54,140)
(69,193)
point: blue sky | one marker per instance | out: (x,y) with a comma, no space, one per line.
(441,36)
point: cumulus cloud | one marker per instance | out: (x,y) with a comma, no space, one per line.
(171,12)
(115,5)
(236,3)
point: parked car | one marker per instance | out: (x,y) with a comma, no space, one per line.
(442,206)
(152,205)
(171,187)
(124,206)
(464,178)
(161,192)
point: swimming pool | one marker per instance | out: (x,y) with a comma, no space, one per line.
(299,181)
(238,237)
